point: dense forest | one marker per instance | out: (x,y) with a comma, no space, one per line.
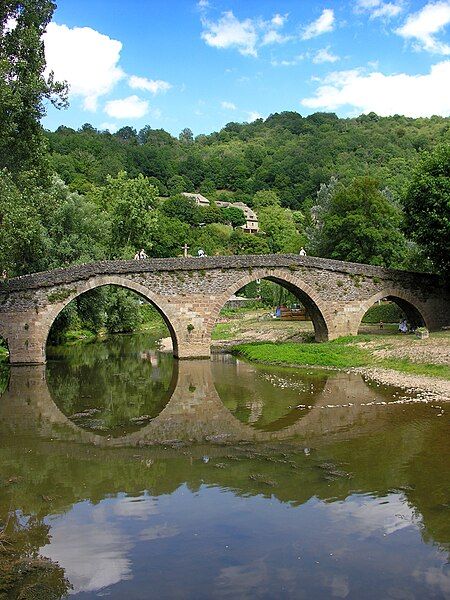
(287,153)
(368,189)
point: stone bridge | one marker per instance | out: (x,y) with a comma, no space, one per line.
(190,292)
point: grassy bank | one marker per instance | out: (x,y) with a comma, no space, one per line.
(342,353)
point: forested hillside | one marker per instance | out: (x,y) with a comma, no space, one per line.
(287,153)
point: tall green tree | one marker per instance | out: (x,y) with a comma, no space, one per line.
(361,224)
(130,203)
(427,207)
(24,88)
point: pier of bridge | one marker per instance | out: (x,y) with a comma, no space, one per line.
(190,292)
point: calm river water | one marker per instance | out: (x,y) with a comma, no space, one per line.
(143,477)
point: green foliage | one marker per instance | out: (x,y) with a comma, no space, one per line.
(129,203)
(24,243)
(123,314)
(361,224)
(279,226)
(182,208)
(388,312)
(24,88)
(427,207)
(244,243)
(233,215)
(265,198)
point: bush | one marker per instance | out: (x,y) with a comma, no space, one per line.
(388,312)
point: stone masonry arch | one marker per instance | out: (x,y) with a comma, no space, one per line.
(48,315)
(416,311)
(320,314)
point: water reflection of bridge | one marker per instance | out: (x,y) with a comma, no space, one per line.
(196,413)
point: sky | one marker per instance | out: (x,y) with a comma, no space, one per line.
(200,64)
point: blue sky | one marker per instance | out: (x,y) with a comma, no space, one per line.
(200,64)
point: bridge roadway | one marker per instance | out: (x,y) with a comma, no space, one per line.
(190,292)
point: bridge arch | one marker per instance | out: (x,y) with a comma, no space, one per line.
(161,305)
(415,311)
(317,308)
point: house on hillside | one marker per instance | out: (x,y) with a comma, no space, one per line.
(251,224)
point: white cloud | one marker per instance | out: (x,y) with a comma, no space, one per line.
(324,55)
(228,105)
(93,555)
(85,58)
(288,62)
(229,32)
(273,37)
(279,20)
(132,107)
(246,35)
(423,25)
(379,9)
(155,86)
(253,115)
(111,127)
(323,24)
(410,95)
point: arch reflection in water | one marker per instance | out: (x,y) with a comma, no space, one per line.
(220,401)
(112,388)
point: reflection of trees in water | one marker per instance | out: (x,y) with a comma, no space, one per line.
(23,572)
(266,398)
(113,383)
(404,460)
(4,377)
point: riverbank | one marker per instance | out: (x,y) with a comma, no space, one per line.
(417,365)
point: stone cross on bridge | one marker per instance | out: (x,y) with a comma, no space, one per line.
(190,292)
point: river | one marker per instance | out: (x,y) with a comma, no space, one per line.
(127,474)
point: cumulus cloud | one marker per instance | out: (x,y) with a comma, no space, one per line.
(324,55)
(228,105)
(422,27)
(229,32)
(132,107)
(85,58)
(323,24)
(245,35)
(155,86)
(410,95)
(379,9)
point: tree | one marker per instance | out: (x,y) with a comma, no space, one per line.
(245,243)
(130,203)
(427,207)
(265,198)
(279,226)
(186,136)
(361,225)
(24,242)
(24,88)
(233,215)
(181,208)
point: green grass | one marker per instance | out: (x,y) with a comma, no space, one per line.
(223,331)
(341,353)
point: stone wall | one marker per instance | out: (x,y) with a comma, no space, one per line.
(189,293)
